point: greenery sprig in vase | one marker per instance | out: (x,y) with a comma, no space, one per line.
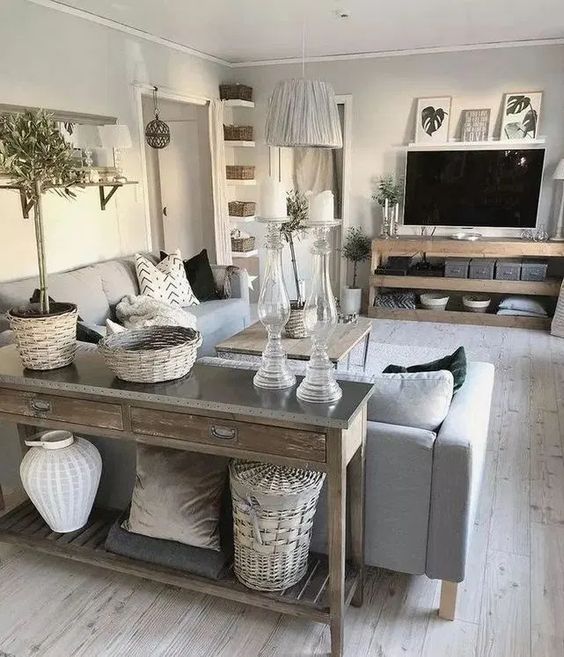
(388,197)
(34,154)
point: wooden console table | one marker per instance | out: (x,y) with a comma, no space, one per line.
(445,247)
(271,426)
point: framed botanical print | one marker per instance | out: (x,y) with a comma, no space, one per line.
(432,121)
(521,111)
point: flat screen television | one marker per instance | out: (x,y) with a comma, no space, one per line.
(472,188)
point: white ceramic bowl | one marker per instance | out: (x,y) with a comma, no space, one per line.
(434,300)
(476,303)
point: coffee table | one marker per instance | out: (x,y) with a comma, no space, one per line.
(251,342)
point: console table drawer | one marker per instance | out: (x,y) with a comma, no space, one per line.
(65,409)
(252,437)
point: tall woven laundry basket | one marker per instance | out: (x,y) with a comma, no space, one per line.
(273,510)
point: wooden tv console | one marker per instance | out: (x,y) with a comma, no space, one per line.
(446,247)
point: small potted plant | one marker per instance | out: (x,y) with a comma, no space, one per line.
(388,197)
(298,209)
(357,248)
(34,154)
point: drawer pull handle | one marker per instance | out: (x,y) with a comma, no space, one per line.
(223,433)
(40,405)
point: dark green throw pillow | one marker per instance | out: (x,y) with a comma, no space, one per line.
(455,363)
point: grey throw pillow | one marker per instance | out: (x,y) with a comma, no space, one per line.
(177,496)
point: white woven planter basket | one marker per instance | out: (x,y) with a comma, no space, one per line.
(295,327)
(45,343)
(273,510)
(151,355)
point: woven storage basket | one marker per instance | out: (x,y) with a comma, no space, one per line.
(238,132)
(243,244)
(242,208)
(235,92)
(46,343)
(152,354)
(240,172)
(295,326)
(273,510)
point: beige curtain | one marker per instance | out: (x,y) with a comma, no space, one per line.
(220,208)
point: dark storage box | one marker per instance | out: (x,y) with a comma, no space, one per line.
(482,268)
(533,270)
(235,92)
(508,270)
(456,267)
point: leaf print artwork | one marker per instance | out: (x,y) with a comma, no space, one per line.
(521,115)
(432,119)
(516,104)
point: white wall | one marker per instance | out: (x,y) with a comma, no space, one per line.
(54,60)
(384,92)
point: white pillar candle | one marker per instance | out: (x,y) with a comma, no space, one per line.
(322,208)
(272,199)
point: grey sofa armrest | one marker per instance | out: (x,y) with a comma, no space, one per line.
(6,337)
(239,283)
(458,463)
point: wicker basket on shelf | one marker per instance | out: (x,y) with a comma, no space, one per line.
(240,172)
(242,244)
(242,208)
(152,354)
(238,132)
(235,92)
(273,510)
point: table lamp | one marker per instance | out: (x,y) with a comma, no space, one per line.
(87,137)
(116,137)
(558,176)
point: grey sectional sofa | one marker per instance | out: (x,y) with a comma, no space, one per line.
(97,288)
(422,487)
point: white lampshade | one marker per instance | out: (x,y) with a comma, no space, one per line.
(87,137)
(303,113)
(115,136)
(559,171)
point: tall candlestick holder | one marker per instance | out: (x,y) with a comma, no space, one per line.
(319,384)
(274,312)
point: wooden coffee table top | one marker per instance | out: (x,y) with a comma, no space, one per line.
(252,340)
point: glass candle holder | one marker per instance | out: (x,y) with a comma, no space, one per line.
(273,312)
(319,384)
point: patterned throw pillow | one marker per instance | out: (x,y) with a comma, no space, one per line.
(165,281)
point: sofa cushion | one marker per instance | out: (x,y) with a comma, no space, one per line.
(118,279)
(212,315)
(419,399)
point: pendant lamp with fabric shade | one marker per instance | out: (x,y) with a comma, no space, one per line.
(303,113)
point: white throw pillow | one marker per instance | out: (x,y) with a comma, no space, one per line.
(165,281)
(526,304)
(419,399)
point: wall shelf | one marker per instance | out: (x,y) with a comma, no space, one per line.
(240,183)
(242,220)
(496,144)
(233,143)
(244,254)
(105,197)
(237,102)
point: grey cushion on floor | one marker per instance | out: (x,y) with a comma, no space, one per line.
(198,561)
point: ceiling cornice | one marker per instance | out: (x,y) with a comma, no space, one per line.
(133,31)
(58,5)
(402,53)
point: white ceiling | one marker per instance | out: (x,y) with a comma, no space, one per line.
(257,30)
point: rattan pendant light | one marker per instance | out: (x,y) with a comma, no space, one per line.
(303,113)
(157,132)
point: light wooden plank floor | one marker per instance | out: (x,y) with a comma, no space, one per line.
(511,604)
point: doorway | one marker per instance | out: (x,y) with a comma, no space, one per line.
(179,180)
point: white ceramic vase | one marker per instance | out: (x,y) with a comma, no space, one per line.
(61,473)
(351,300)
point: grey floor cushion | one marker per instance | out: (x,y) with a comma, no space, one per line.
(199,561)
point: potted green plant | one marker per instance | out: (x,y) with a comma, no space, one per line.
(357,248)
(298,211)
(388,197)
(34,154)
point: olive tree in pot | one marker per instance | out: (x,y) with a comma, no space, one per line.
(298,211)
(37,159)
(357,248)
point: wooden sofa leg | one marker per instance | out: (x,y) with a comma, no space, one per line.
(447,608)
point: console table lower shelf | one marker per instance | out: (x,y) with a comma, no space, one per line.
(308,598)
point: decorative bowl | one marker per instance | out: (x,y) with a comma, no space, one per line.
(476,303)
(434,300)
